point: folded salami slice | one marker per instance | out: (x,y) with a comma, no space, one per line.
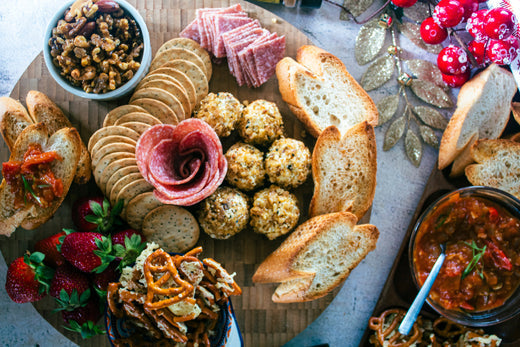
(185,163)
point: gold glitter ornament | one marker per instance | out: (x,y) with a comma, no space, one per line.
(413,147)
(393,50)
(385,21)
(431,93)
(378,73)
(426,70)
(394,133)
(430,117)
(387,107)
(369,41)
(429,136)
(405,79)
(413,32)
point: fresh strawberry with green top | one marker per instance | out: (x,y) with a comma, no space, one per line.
(101,280)
(70,281)
(88,251)
(49,247)
(95,213)
(28,278)
(128,244)
(83,319)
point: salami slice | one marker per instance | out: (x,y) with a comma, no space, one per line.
(191,31)
(222,24)
(266,56)
(184,163)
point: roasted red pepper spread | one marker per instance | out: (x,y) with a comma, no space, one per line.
(32,180)
(482,266)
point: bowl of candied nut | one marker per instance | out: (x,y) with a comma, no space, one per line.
(97,49)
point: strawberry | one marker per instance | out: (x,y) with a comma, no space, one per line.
(28,278)
(128,244)
(48,246)
(83,319)
(68,279)
(95,213)
(88,251)
(110,274)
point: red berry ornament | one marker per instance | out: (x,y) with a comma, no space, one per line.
(404,3)
(448,13)
(478,49)
(470,6)
(502,52)
(432,33)
(475,25)
(452,60)
(499,23)
(456,81)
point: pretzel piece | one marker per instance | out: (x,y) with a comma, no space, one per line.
(386,326)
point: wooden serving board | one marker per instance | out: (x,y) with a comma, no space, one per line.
(399,290)
(261,322)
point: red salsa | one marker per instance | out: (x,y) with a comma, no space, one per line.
(482,266)
(31,180)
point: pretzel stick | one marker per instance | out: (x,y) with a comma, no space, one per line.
(388,334)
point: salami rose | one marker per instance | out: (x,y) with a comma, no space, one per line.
(185,163)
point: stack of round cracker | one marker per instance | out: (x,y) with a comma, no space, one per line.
(177,81)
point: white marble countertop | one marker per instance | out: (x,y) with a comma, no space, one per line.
(399,183)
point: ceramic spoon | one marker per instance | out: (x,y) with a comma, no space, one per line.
(415,308)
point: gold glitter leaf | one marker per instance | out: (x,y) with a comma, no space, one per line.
(413,32)
(369,42)
(426,70)
(431,117)
(356,7)
(431,93)
(413,147)
(394,133)
(429,136)
(418,12)
(387,108)
(378,73)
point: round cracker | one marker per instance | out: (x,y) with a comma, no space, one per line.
(158,109)
(112,139)
(139,207)
(193,46)
(138,117)
(110,148)
(152,77)
(111,169)
(174,74)
(120,184)
(177,53)
(107,160)
(118,174)
(111,130)
(162,95)
(120,111)
(131,190)
(173,227)
(194,73)
(176,90)
(138,127)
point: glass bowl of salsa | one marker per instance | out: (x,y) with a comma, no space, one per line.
(478,284)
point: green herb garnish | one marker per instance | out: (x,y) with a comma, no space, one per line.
(27,187)
(477,254)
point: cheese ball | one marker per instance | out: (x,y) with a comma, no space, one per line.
(288,162)
(275,212)
(245,166)
(221,111)
(224,213)
(261,123)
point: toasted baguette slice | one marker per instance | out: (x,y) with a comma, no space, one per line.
(66,143)
(344,170)
(483,107)
(43,109)
(321,92)
(13,119)
(498,165)
(317,257)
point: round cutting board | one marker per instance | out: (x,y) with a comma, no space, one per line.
(261,322)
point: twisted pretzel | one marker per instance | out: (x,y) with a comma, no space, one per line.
(386,326)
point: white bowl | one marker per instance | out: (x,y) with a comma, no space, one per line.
(121,90)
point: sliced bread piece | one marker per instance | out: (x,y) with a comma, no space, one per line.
(13,119)
(317,257)
(321,92)
(42,109)
(498,165)
(483,107)
(344,170)
(66,142)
